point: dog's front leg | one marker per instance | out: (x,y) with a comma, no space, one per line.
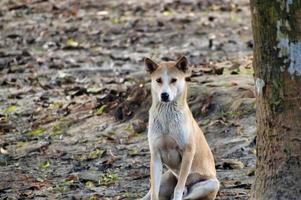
(156,173)
(184,172)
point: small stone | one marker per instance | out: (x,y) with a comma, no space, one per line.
(218,70)
(251,172)
(139,126)
(90,175)
(206,70)
(4,160)
(232,164)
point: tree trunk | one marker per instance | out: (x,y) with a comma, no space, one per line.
(277,64)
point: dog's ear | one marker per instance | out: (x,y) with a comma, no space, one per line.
(182,64)
(150,65)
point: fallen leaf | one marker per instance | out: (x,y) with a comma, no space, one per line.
(100,111)
(167,13)
(3,151)
(72,43)
(94,90)
(102,13)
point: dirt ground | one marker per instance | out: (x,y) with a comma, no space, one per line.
(74,95)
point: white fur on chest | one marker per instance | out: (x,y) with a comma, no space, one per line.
(168,120)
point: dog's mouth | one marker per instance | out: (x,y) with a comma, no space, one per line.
(165,100)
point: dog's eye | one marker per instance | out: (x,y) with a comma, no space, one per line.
(173,80)
(159,80)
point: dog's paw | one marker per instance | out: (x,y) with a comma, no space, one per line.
(177,196)
(146,197)
(185,192)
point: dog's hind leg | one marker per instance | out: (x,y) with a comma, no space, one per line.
(205,190)
(167,186)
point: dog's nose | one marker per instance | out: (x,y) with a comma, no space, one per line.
(165,96)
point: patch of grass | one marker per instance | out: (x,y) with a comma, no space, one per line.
(44,165)
(38,51)
(134,152)
(56,130)
(234,17)
(205,122)
(95,154)
(9,109)
(60,127)
(57,105)
(89,184)
(129,128)
(64,186)
(234,114)
(20,144)
(36,132)
(116,20)
(93,197)
(129,195)
(221,114)
(108,179)
(40,179)
(92,155)
(229,114)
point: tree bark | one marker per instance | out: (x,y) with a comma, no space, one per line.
(277,64)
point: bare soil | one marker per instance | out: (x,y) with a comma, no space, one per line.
(74,95)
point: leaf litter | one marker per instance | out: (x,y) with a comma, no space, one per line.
(74,96)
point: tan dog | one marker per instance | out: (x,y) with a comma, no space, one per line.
(176,140)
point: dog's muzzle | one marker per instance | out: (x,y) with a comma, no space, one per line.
(165,97)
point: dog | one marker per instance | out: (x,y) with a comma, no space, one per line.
(175,139)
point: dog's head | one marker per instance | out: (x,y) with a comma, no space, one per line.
(168,79)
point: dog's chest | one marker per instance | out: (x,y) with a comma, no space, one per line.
(168,122)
